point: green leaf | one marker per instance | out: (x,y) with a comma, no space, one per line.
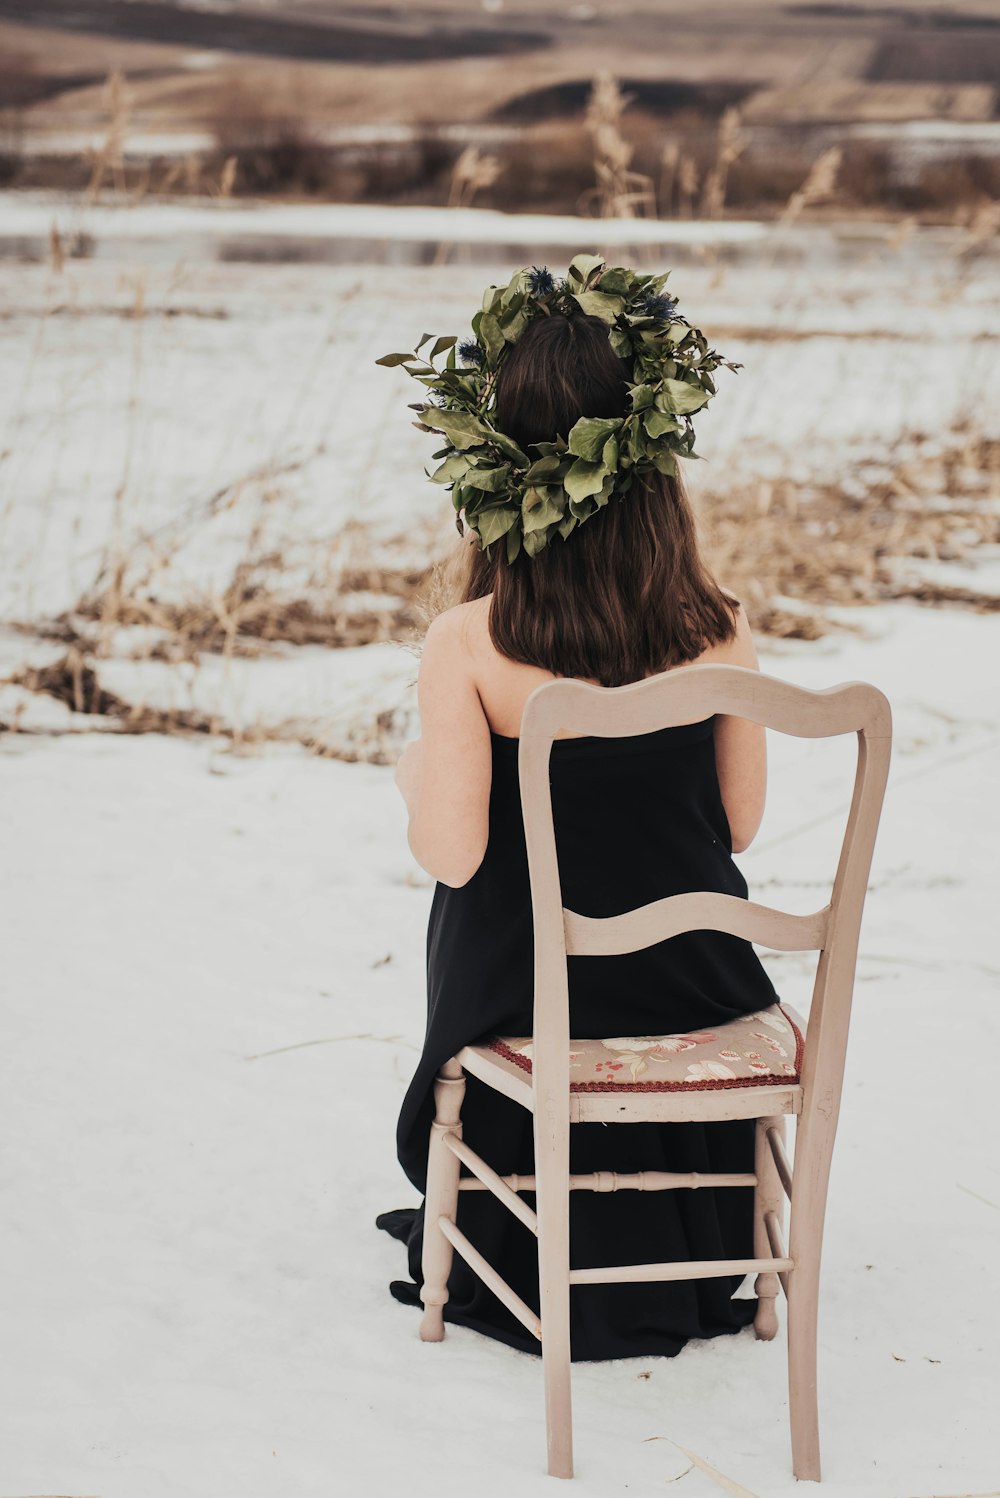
(513,543)
(516,287)
(597,304)
(514,324)
(609,457)
(451,469)
(566,526)
(582,267)
(539,510)
(588,436)
(490,480)
(677,331)
(491,335)
(642,396)
(509,448)
(620,342)
(542,468)
(460,383)
(495,522)
(584,479)
(617,281)
(580,509)
(442,344)
(679,396)
(535,542)
(665,463)
(390,361)
(658,424)
(462,429)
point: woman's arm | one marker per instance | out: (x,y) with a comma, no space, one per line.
(446,775)
(741,753)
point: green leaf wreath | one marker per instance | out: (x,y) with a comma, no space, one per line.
(529,497)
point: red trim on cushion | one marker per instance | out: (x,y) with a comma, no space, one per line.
(716,1084)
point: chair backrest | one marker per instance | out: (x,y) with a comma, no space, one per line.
(690,694)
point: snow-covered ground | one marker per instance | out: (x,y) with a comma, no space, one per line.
(214,961)
(190,415)
(214,1000)
(30,215)
(172,410)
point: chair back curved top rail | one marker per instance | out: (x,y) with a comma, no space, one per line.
(684,695)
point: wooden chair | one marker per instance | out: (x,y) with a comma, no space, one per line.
(811,1093)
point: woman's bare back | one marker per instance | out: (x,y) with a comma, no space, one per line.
(504,685)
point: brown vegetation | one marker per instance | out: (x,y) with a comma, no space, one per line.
(74,682)
(254,612)
(739,140)
(790,552)
(849,543)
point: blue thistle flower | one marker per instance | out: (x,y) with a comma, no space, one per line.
(541,281)
(471,353)
(660,307)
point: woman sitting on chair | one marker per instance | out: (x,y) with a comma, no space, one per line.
(564,420)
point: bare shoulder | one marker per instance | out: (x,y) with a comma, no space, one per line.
(740,649)
(459,625)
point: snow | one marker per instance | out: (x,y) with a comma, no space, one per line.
(215,1001)
(33,214)
(214,954)
(183,413)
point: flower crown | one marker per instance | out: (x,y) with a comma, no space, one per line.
(529,497)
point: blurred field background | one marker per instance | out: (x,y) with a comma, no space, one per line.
(366,103)
(213,220)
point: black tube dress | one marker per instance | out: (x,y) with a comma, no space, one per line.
(636,819)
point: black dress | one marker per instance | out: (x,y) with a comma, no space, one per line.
(636,819)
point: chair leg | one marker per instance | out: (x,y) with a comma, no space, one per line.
(813,1150)
(768,1197)
(552,1204)
(441,1199)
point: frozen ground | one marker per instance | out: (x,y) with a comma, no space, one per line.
(214,962)
(214,975)
(170,411)
(182,417)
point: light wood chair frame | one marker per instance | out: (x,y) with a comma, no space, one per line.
(572,707)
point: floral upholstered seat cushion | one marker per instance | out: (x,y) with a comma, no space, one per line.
(756,1049)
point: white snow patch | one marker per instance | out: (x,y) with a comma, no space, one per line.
(214,986)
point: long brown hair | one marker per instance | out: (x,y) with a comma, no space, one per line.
(626,594)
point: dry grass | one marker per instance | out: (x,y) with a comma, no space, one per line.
(820,185)
(791,551)
(731,143)
(254,611)
(849,545)
(788,551)
(270,122)
(619,191)
(272,115)
(474,172)
(73,681)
